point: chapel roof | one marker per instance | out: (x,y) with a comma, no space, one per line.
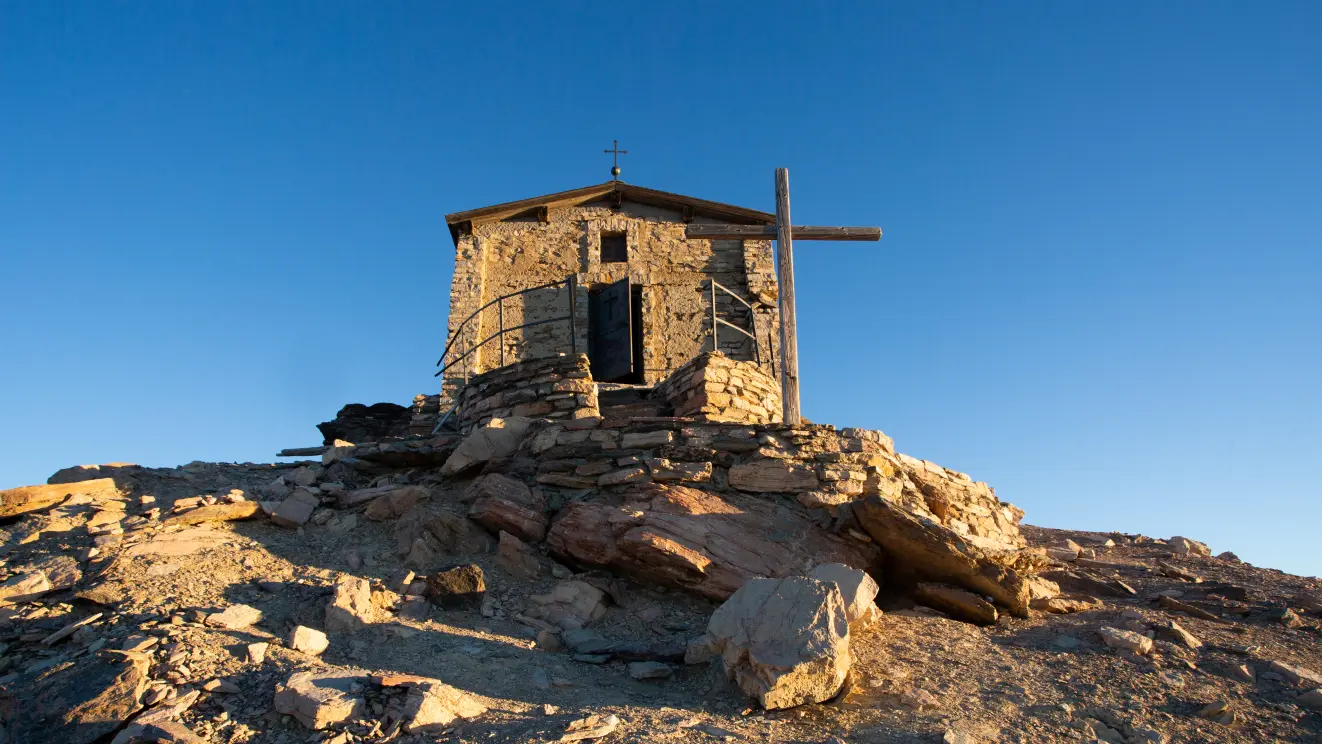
(460,222)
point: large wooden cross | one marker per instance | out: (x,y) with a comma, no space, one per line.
(784,234)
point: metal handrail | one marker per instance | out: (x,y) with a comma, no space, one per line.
(716,322)
(462,329)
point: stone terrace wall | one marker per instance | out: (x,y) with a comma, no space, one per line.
(553,388)
(713,387)
(824,469)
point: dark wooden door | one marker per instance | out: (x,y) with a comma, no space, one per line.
(610,332)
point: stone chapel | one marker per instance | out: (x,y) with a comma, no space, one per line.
(606,270)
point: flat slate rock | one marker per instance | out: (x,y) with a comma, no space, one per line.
(77,705)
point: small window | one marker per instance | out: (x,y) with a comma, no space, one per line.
(614,247)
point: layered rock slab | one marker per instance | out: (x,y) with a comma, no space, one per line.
(79,705)
(940,553)
(498,438)
(707,543)
(785,642)
(25,499)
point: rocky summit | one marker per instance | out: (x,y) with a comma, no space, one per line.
(621,577)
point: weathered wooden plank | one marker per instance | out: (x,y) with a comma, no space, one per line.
(789,340)
(302,451)
(33,498)
(771,232)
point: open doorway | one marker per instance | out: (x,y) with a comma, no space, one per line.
(615,332)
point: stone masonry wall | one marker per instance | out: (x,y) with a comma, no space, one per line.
(714,387)
(822,468)
(552,388)
(673,272)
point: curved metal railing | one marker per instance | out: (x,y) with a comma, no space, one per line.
(717,322)
(463,330)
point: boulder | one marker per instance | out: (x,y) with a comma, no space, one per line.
(320,699)
(24,587)
(570,605)
(307,475)
(432,706)
(443,528)
(703,542)
(308,640)
(503,503)
(516,557)
(351,606)
(413,608)
(394,503)
(498,438)
(956,602)
(499,486)
(784,641)
(296,510)
(699,650)
(941,554)
(1185,546)
(459,587)
(234,617)
(1126,640)
(1042,588)
(857,589)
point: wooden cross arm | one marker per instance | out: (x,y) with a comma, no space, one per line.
(768,232)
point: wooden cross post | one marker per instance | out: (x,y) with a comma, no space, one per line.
(784,234)
(789,338)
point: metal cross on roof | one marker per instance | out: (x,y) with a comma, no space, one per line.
(615,152)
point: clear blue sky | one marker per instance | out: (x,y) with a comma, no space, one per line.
(1099,288)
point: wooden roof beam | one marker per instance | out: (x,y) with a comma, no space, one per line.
(768,232)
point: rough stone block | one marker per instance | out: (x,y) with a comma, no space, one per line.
(320,699)
(785,642)
(296,510)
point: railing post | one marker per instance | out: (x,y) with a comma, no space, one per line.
(715,336)
(757,345)
(500,310)
(573,333)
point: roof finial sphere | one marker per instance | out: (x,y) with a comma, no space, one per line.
(615,171)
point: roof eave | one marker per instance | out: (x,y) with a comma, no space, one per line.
(728,212)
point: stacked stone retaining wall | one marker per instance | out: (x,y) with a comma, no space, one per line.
(823,468)
(559,387)
(714,387)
